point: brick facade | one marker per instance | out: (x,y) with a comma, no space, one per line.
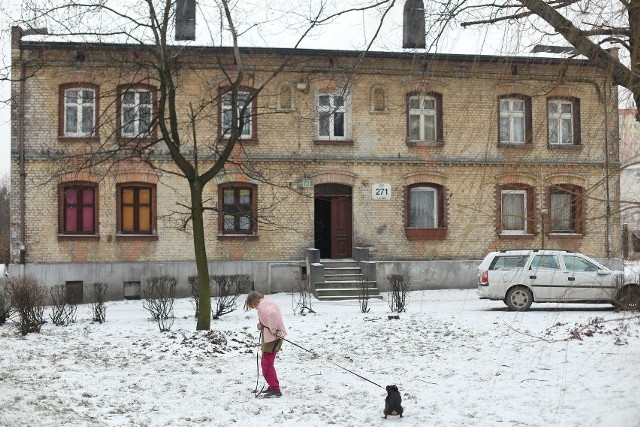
(469,164)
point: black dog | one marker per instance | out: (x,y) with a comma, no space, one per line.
(393,401)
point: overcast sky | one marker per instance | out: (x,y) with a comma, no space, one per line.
(350,34)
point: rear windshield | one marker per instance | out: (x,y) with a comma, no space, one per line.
(508,261)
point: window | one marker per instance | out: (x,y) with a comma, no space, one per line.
(79,112)
(564,122)
(424,115)
(239,210)
(574,263)
(508,261)
(332,116)
(244,115)
(514,211)
(136,209)
(545,262)
(515,120)
(565,209)
(78,209)
(425,217)
(136,113)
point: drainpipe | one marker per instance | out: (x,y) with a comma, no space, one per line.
(607,243)
(21,149)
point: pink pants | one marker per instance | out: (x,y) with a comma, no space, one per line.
(269,371)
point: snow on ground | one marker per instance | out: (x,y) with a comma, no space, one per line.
(457,360)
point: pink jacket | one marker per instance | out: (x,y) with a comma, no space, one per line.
(271,318)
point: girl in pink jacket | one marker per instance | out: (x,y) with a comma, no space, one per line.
(273,332)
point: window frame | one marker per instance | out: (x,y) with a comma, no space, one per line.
(344,109)
(576,209)
(62,112)
(252,233)
(437,113)
(223,93)
(62,211)
(138,88)
(136,233)
(576,139)
(439,231)
(526,118)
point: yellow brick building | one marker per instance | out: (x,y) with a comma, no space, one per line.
(421,158)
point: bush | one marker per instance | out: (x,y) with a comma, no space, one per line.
(27,296)
(63,311)
(97,306)
(5,307)
(228,289)
(398,288)
(159,297)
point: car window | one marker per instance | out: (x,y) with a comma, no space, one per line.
(544,261)
(508,261)
(575,263)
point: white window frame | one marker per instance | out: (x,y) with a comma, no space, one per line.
(226,114)
(333,111)
(557,116)
(513,115)
(137,107)
(429,189)
(80,105)
(422,113)
(524,210)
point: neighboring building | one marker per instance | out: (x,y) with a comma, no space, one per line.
(630,177)
(428,160)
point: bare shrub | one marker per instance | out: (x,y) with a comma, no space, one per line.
(228,289)
(399,287)
(63,310)
(27,297)
(195,293)
(302,297)
(159,297)
(97,306)
(363,295)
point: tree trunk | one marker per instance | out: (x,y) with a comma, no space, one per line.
(204,288)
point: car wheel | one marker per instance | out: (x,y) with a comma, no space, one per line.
(628,298)
(519,298)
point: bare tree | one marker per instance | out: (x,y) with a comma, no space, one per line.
(4,219)
(195,158)
(590,27)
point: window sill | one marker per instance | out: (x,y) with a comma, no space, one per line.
(425,233)
(564,146)
(518,146)
(249,141)
(136,237)
(565,235)
(122,140)
(503,236)
(412,143)
(76,237)
(333,141)
(84,139)
(231,237)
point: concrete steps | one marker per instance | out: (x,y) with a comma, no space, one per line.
(344,281)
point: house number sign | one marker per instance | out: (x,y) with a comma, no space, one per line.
(381,191)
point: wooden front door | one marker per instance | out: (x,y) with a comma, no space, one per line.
(333,217)
(341,227)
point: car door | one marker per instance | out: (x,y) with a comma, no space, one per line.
(545,278)
(582,279)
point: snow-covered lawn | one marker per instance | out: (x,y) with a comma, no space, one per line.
(457,360)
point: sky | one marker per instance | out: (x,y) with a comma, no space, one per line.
(350,33)
(456,360)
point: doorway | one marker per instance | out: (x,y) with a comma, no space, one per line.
(332,220)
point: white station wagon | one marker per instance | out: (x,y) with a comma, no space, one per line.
(521,277)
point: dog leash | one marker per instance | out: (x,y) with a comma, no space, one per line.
(333,363)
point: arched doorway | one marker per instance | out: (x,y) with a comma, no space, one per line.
(332,220)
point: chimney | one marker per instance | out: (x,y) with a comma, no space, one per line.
(185,19)
(413,35)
